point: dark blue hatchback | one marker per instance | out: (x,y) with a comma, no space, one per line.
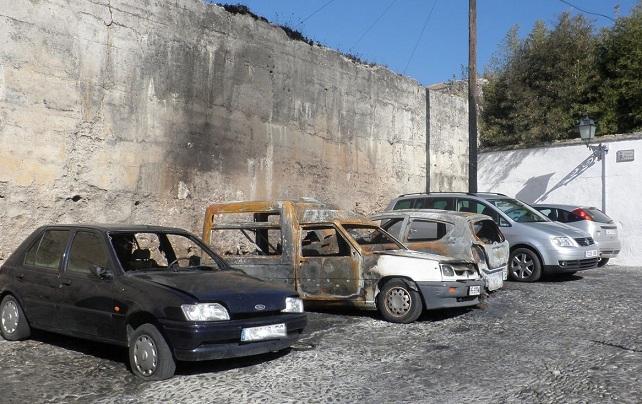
(159,291)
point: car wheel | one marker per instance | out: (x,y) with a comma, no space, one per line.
(149,355)
(602,262)
(398,303)
(525,265)
(13,323)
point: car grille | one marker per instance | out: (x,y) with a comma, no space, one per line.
(585,241)
(579,264)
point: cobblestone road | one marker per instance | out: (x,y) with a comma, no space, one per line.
(576,339)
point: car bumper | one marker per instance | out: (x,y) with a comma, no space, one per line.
(565,266)
(441,295)
(222,339)
(610,248)
(494,279)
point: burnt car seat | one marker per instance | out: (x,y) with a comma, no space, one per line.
(141,259)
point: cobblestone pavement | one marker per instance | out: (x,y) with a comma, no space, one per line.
(572,339)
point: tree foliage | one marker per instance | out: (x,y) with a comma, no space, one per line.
(538,87)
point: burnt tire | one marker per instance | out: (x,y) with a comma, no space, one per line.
(524,265)
(13,322)
(150,357)
(602,262)
(398,302)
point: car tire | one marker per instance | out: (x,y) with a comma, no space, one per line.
(13,322)
(398,302)
(602,262)
(150,357)
(524,265)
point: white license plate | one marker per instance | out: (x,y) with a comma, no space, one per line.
(474,290)
(611,232)
(495,280)
(592,253)
(264,332)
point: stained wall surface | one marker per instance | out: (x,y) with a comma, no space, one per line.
(147,111)
(571,174)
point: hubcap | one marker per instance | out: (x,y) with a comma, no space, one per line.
(398,301)
(522,266)
(9,317)
(145,357)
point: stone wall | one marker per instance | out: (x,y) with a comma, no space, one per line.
(568,173)
(147,111)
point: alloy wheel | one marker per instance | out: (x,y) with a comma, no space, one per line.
(522,266)
(10,317)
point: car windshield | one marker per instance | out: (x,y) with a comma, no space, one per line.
(518,211)
(373,236)
(160,251)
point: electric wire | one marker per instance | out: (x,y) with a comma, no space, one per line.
(385,11)
(315,11)
(412,54)
(585,11)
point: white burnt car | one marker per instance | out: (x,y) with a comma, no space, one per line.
(461,235)
(336,257)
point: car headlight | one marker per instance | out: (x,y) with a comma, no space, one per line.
(447,270)
(563,241)
(205,312)
(293,305)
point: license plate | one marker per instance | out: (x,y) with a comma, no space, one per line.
(611,232)
(264,332)
(591,253)
(474,290)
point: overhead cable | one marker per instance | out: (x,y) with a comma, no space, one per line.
(412,54)
(385,11)
(315,11)
(585,11)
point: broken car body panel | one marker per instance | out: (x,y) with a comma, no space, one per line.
(465,236)
(329,255)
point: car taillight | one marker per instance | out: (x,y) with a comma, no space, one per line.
(582,214)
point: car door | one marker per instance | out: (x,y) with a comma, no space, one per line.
(87,301)
(39,278)
(329,267)
(428,235)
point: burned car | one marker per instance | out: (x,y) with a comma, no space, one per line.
(336,257)
(158,291)
(467,236)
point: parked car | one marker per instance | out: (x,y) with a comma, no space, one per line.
(336,257)
(159,291)
(467,236)
(537,244)
(591,220)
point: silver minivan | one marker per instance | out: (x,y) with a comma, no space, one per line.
(591,220)
(537,244)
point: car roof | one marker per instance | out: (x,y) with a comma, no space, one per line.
(137,228)
(559,206)
(453,194)
(433,214)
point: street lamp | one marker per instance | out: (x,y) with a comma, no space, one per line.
(587,133)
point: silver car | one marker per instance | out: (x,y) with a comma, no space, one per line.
(591,220)
(537,244)
(466,236)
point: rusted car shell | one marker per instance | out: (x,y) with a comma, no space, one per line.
(458,242)
(352,280)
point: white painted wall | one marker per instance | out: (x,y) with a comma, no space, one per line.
(567,173)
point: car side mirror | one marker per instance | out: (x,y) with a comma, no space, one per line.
(102,273)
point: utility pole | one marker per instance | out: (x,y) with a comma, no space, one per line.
(472,95)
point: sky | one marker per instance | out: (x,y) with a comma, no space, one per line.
(387,31)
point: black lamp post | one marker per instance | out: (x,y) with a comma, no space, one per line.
(587,133)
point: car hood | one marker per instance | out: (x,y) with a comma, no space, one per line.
(240,293)
(423,255)
(558,229)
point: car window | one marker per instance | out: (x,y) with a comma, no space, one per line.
(30,257)
(518,211)
(323,241)
(551,214)
(488,232)
(436,203)
(392,226)
(87,251)
(247,234)
(50,249)
(404,204)
(427,230)
(598,215)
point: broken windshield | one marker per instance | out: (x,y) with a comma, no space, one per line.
(366,235)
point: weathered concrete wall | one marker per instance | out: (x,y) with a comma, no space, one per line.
(569,174)
(146,111)
(448,138)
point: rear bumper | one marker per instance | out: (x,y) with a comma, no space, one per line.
(441,295)
(610,248)
(222,339)
(494,278)
(565,266)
